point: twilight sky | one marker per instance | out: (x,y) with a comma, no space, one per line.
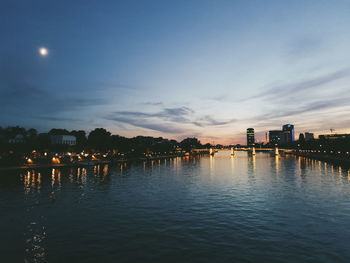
(175,69)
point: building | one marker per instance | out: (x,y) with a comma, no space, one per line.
(309,136)
(334,136)
(63,139)
(288,131)
(250,137)
(19,138)
(276,137)
(284,136)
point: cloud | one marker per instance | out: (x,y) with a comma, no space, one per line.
(219,98)
(304,46)
(311,107)
(153,103)
(23,92)
(143,123)
(282,91)
(170,114)
(50,118)
(210,121)
(177,111)
(166,120)
(114,86)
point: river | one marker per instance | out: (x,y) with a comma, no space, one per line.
(205,209)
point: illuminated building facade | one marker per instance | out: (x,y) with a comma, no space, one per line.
(63,139)
(288,131)
(276,137)
(250,137)
(284,136)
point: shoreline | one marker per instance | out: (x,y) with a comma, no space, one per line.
(339,161)
(84,164)
(325,158)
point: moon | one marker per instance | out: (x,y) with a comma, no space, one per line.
(43,51)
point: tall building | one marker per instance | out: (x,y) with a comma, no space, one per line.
(276,137)
(288,133)
(250,137)
(309,136)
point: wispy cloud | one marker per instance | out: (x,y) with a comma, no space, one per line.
(210,121)
(50,118)
(304,46)
(285,90)
(144,123)
(166,120)
(157,103)
(179,114)
(302,109)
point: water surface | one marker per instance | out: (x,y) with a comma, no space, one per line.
(208,209)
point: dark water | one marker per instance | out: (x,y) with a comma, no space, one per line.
(221,209)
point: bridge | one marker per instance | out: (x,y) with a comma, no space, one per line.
(253,150)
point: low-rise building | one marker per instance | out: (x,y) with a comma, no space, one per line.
(309,136)
(19,138)
(63,139)
(334,136)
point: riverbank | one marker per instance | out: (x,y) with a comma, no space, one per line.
(337,160)
(86,163)
(41,166)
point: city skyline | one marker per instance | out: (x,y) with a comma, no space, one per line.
(176,70)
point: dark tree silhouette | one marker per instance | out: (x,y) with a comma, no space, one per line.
(80,136)
(100,139)
(190,143)
(58,132)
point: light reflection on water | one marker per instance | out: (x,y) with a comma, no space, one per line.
(251,208)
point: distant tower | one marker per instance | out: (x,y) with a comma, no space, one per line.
(250,137)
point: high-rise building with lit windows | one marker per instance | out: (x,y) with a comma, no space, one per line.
(276,137)
(250,137)
(281,137)
(288,131)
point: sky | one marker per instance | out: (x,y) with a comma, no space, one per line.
(176,69)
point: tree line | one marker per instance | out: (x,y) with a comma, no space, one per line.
(98,139)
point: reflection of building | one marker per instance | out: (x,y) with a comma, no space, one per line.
(309,136)
(250,137)
(63,139)
(276,137)
(288,131)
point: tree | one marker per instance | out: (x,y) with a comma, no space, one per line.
(13,131)
(190,143)
(58,132)
(99,139)
(32,133)
(80,136)
(207,146)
